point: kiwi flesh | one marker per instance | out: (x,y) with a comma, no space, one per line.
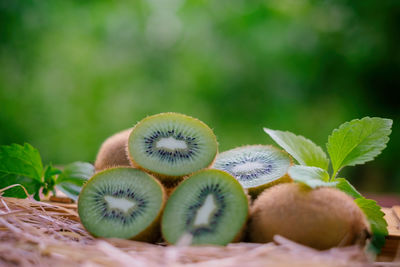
(171,145)
(321,218)
(112,152)
(122,203)
(210,206)
(256,167)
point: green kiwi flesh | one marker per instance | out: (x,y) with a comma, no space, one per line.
(171,145)
(210,206)
(321,218)
(123,203)
(112,152)
(256,167)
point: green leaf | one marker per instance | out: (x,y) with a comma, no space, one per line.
(358,141)
(31,185)
(50,178)
(50,171)
(77,172)
(73,177)
(309,172)
(70,189)
(311,176)
(21,161)
(344,186)
(302,149)
(375,217)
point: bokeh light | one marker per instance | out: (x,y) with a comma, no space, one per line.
(73,73)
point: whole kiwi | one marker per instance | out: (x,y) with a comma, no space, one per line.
(321,218)
(112,152)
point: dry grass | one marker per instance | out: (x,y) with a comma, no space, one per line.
(50,234)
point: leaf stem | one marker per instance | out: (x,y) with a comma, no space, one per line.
(333,177)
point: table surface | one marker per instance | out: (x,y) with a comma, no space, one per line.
(391,250)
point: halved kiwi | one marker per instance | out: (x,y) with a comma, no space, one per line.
(171,145)
(122,202)
(112,152)
(256,167)
(210,206)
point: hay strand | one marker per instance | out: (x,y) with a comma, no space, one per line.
(34,233)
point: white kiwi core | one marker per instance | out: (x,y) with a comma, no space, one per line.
(248,167)
(205,212)
(119,203)
(171,143)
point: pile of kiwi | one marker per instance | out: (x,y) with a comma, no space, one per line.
(163,180)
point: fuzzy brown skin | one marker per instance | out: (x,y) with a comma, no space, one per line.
(167,181)
(112,152)
(170,187)
(322,218)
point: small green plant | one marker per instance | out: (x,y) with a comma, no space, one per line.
(353,143)
(22,165)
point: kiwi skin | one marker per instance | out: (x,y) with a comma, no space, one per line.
(169,183)
(321,218)
(112,152)
(167,180)
(153,232)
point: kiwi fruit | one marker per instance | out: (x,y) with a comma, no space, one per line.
(171,145)
(122,203)
(256,167)
(321,218)
(210,206)
(112,152)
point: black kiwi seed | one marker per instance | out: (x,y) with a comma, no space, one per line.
(210,205)
(256,167)
(171,145)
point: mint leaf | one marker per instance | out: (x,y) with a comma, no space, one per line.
(20,165)
(31,185)
(21,161)
(302,149)
(50,178)
(73,177)
(309,172)
(50,171)
(375,217)
(358,141)
(77,172)
(311,176)
(344,186)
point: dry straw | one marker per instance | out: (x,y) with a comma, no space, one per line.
(34,233)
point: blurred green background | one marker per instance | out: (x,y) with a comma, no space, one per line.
(74,72)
